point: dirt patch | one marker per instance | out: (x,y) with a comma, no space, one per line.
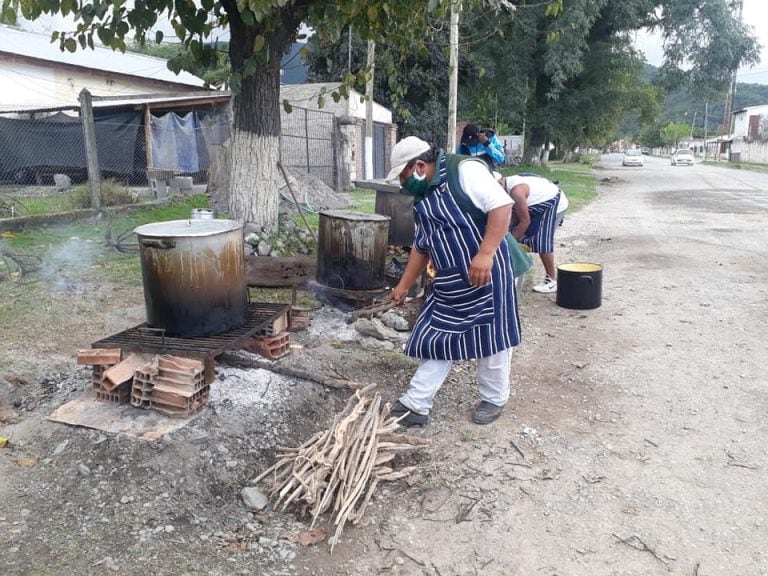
(633,444)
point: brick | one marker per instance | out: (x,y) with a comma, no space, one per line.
(177,406)
(299,319)
(271,347)
(123,372)
(119,395)
(99,356)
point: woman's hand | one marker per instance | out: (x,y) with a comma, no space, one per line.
(398,294)
(480,269)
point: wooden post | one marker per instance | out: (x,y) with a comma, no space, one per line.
(148,135)
(91,151)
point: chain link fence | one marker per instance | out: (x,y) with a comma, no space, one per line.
(43,151)
(309,144)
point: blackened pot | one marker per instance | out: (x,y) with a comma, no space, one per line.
(194,276)
(580,285)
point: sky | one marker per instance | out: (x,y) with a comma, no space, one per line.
(755,14)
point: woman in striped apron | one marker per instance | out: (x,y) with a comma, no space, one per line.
(539,208)
(471,310)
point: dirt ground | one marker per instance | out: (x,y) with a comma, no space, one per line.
(634,442)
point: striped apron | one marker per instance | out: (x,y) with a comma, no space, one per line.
(459,321)
(540,235)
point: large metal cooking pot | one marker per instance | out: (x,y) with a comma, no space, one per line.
(194,276)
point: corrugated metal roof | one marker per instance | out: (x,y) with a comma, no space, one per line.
(39,46)
(141,99)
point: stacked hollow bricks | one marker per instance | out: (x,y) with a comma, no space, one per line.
(172,385)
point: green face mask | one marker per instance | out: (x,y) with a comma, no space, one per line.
(416,185)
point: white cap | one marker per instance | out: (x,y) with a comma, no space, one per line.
(404,151)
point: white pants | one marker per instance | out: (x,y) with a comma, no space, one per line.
(492,381)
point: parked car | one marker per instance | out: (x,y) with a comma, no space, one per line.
(633,157)
(645,150)
(682,157)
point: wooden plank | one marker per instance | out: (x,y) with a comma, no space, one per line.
(99,356)
(269,272)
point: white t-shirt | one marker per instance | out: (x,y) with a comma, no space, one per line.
(540,190)
(478,183)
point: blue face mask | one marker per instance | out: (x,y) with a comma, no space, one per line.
(416,185)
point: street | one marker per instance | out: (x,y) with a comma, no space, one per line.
(642,423)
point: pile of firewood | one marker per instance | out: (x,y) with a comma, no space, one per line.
(339,469)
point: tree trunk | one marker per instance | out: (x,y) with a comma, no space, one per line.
(253,178)
(255,147)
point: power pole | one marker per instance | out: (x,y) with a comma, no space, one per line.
(732,100)
(706,119)
(349,50)
(369,112)
(453,74)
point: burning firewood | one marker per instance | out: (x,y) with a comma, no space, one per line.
(339,469)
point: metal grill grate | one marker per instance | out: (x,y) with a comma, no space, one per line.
(262,317)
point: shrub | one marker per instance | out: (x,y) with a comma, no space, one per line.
(113,193)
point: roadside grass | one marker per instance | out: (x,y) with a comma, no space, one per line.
(576,180)
(362,200)
(78,251)
(738,165)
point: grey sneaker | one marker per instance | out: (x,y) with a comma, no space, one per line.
(547,287)
(412,419)
(485,413)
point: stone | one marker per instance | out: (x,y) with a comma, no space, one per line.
(263,248)
(253,498)
(393,320)
(62,181)
(60,447)
(83,470)
(375,329)
(372,344)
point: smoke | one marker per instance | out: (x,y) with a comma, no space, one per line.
(64,265)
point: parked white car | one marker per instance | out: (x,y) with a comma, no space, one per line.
(682,157)
(633,157)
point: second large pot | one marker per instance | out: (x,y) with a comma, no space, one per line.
(194,276)
(580,285)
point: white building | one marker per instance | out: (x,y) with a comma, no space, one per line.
(746,122)
(750,135)
(35,73)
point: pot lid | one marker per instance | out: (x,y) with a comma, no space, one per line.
(187,228)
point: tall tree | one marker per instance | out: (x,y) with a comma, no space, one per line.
(260,32)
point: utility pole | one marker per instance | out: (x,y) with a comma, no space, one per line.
(369,112)
(349,50)
(706,119)
(732,100)
(453,74)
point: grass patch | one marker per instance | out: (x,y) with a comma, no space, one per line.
(576,180)
(738,165)
(362,200)
(82,244)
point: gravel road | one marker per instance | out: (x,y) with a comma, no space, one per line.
(634,442)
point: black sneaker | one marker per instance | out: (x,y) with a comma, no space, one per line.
(411,418)
(485,413)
